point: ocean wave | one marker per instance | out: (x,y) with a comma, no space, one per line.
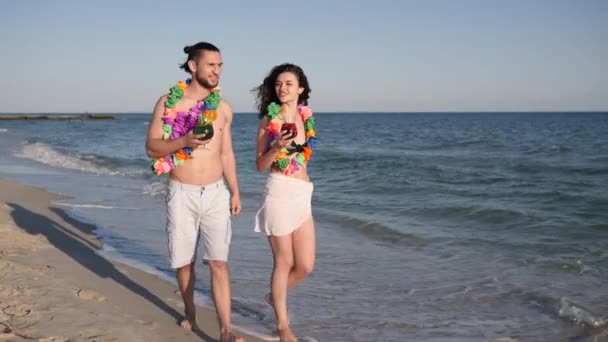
(496,215)
(446,146)
(474,213)
(155,189)
(579,314)
(535,168)
(2,130)
(45,154)
(373,230)
(548,150)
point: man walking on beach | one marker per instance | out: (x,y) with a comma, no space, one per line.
(198,203)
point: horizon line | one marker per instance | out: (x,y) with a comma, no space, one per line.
(345,112)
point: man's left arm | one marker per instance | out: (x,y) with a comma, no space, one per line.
(229,161)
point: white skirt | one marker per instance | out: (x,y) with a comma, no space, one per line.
(286,205)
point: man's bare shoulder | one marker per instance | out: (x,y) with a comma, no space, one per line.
(224,105)
(159,108)
(162,99)
(225,108)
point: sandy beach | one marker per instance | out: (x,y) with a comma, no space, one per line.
(55,287)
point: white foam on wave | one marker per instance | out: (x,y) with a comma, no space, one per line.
(45,154)
(579,314)
(155,189)
(97,206)
(2,130)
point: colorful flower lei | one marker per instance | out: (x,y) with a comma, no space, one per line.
(303,152)
(177,124)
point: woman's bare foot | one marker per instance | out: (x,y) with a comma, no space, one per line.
(286,335)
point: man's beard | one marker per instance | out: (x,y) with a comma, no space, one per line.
(205,83)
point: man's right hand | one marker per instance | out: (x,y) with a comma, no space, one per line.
(195,140)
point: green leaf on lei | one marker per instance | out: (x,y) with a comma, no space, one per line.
(300,159)
(282,163)
(171,102)
(309,124)
(176,90)
(273,110)
(167,130)
(213,99)
(175,94)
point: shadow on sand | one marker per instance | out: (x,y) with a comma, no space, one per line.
(83,252)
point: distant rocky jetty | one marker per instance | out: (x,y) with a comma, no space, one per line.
(58,117)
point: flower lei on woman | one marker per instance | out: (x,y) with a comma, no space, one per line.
(177,124)
(303,152)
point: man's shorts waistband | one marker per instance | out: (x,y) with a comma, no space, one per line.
(193,187)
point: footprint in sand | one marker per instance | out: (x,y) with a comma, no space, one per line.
(90,295)
(17,310)
(14,291)
(6,267)
(7,252)
(53,339)
(7,336)
(18,314)
(151,324)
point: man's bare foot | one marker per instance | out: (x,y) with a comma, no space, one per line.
(230,337)
(189,323)
(286,335)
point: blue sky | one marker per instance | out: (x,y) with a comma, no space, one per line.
(427,55)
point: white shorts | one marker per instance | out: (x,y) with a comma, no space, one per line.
(195,210)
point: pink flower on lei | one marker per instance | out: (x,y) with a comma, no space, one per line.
(170,113)
(274,125)
(306,112)
(289,169)
(162,167)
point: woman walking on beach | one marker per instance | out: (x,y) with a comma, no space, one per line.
(285,140)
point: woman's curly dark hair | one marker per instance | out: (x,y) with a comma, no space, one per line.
(265,93)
